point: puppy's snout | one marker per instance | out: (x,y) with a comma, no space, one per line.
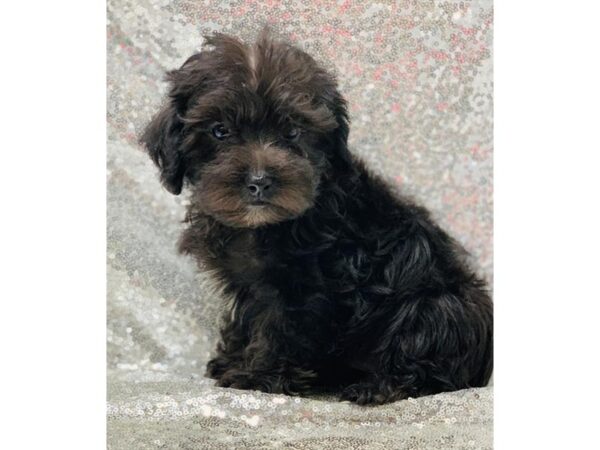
(260,186)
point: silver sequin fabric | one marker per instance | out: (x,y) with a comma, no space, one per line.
(418,78)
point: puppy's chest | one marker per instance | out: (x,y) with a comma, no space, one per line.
(241,257)
(295,268)
(250,257)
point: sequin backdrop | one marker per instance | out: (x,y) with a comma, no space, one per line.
(418,77)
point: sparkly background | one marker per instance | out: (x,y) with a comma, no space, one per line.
(418,76)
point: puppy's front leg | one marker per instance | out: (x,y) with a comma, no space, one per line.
(277,357)
(230,351)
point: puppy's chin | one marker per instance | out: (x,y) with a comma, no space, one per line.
(256,216)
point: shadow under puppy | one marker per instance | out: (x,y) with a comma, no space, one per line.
(336,283)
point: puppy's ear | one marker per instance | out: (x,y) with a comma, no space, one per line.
(162,139)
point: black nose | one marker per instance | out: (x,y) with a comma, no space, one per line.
(260,186)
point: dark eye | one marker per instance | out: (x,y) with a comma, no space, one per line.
(220,131)
(292,134)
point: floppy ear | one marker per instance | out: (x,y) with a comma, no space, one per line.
(162,139)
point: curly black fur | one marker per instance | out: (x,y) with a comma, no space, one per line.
(337,284)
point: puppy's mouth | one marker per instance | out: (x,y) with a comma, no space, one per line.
(263,212)
(258,203)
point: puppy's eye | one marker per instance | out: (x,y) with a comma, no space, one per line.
(292,134)
(220,131)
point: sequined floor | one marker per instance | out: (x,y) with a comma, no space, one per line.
(418,76)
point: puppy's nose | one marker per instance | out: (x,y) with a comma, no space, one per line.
(260,186)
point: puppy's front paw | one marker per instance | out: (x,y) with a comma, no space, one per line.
(216,367)
(360,393)
(293,382)
(238,379)
(370,393)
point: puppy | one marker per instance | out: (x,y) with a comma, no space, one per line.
(337,285)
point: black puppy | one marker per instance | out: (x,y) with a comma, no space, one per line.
(336,284)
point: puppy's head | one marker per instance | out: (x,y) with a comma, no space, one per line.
(253,129)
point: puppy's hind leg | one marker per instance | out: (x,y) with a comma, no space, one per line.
(430,346)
